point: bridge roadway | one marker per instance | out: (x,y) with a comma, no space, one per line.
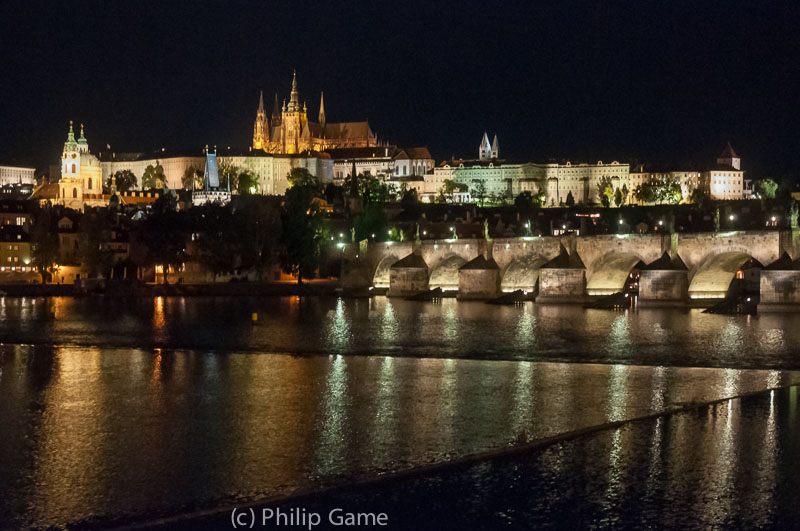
(711,259)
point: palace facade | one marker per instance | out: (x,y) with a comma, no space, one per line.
(290,131)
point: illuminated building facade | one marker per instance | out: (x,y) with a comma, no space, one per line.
(81,176)
(289,131)
(503,178)
(16,175)
(725,180)
(174,165)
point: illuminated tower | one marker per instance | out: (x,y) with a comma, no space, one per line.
(322,113)
(293,121)
(276,112)
(70,157)
(729,157)
(485,149)
(495,148)
(261,126)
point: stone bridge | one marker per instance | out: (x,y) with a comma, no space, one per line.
(711,259)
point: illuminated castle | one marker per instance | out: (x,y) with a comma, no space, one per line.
(289,130)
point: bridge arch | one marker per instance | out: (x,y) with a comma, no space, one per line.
(522,273)
(381,277)
(712,277)
(445,273)
(608,274)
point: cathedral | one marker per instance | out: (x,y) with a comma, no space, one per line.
(289,131)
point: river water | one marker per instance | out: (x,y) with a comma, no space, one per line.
(125,409)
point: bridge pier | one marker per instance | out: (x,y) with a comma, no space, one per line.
(408,277)
(479,279)
(780,286)
(562,280)
(664,282)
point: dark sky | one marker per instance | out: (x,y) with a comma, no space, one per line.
(661,81)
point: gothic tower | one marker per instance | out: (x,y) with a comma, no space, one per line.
(322,113)
(729,157)
(276,112)
(261,126)
(484,150)
(495,148)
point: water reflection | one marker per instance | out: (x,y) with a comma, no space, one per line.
(107,423)
(455,329)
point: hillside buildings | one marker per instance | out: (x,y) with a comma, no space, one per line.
(491,177)
(15,175)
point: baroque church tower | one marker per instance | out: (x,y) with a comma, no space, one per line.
(81,175)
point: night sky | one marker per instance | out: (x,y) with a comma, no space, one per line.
(666,82)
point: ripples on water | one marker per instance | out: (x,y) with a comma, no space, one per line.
(381,326)
(93,426)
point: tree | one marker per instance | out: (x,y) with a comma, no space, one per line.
(618,197)
(570,202)
(368,187)
(625,193)
(44,237)
(765,188)
(524,200)
(447,191)
(303,234)
(191,175)
(228,174)
(605,189)
(248,183)
(258,219)
(529,199)
(94,231)
(645,193)
(125,181)
(219,246)
(302,178)
(480,192)
(153,177)
(371,221)
(163,234)
(409,198)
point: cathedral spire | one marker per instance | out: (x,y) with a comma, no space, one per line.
(294,100)
(261,102)
(71,134)
(276,112)
(322,109)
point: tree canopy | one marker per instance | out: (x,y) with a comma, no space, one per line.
(153,177)
(125,181)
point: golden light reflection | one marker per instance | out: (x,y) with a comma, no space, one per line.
(338,328)
(332,446)
(388,323)
(159,319)
(523,400)
(526,335)
(157,367)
